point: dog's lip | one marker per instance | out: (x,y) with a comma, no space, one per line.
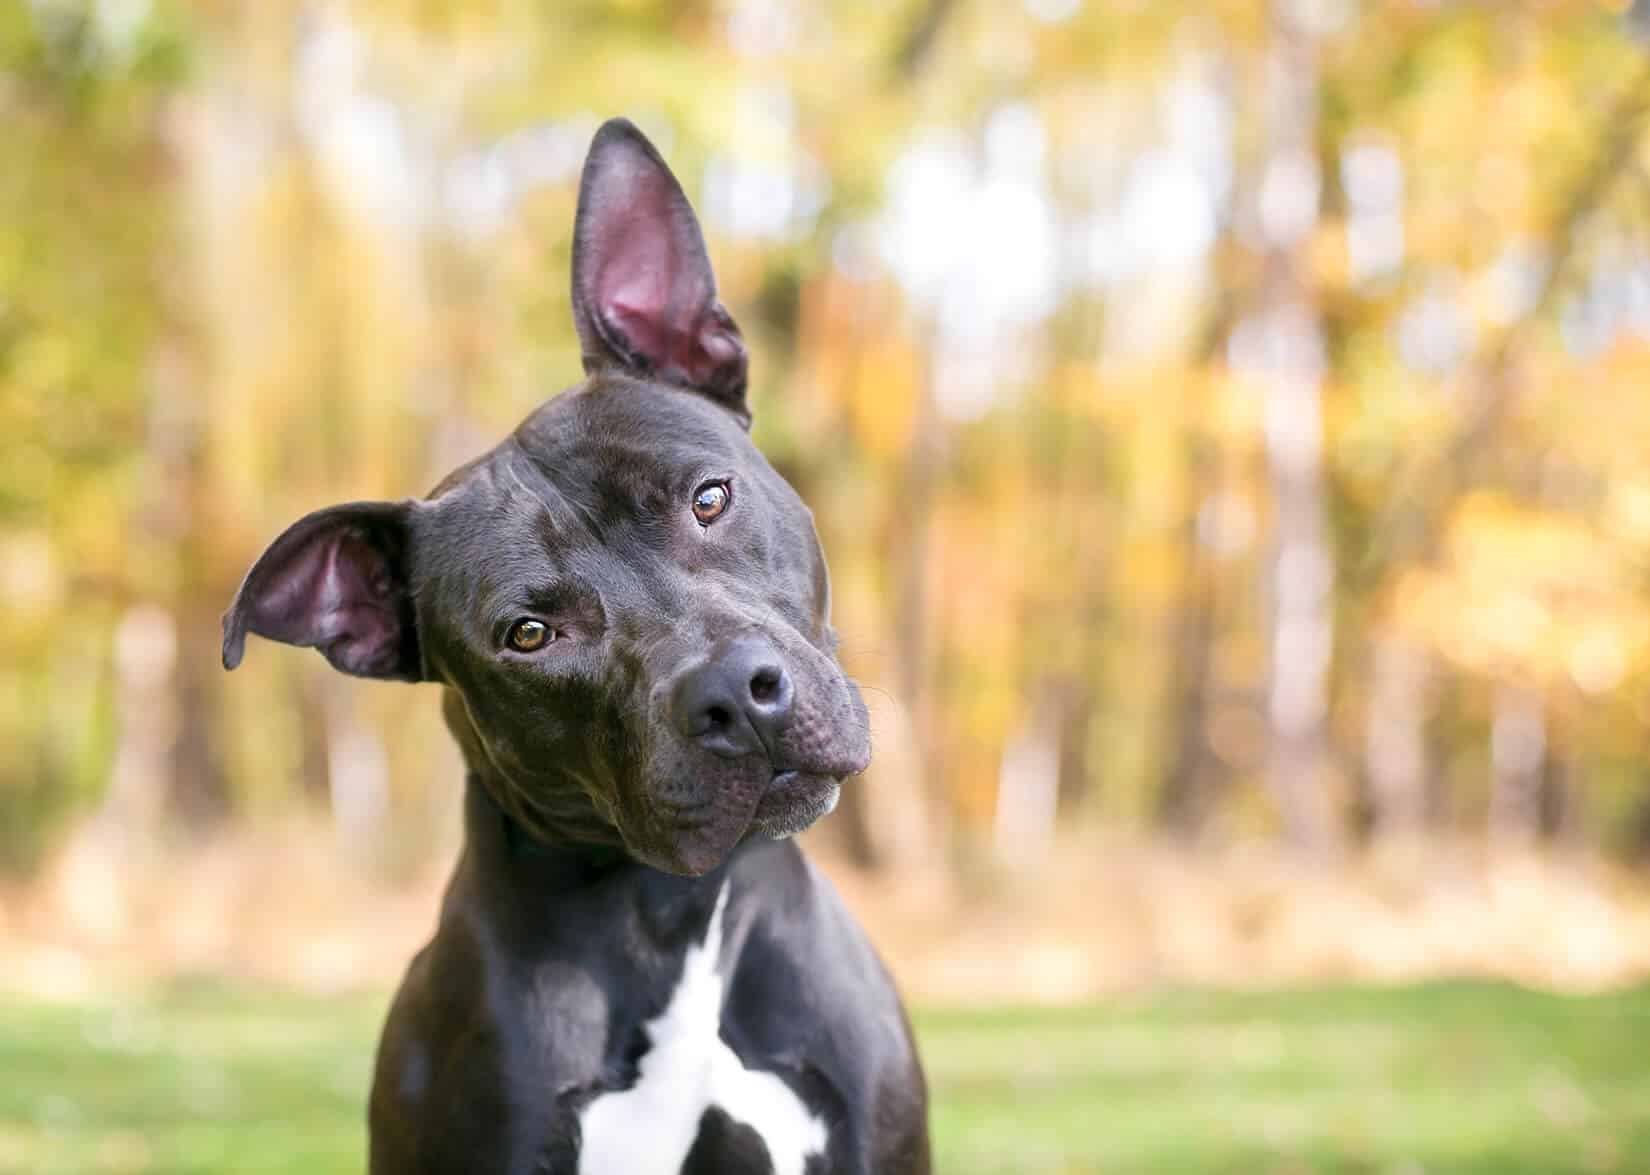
(838,767)
(790,778)
(791,786)
(793,801)
(787,779)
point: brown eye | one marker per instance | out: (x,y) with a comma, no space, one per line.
(709,501)
(528,636)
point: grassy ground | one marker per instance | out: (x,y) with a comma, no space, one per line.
(1452,1078)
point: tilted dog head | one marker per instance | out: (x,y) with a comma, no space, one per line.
(628,606)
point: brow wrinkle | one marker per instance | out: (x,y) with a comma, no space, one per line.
(510,467)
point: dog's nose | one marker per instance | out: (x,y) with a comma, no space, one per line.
(735,703)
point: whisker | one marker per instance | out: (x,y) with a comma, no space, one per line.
(867,687)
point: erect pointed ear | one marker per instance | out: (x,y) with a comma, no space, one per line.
(335,581)
(644,298)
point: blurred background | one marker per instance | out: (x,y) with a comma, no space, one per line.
(1227,425)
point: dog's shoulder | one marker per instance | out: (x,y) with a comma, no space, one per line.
(852,1052)
(419,1118)
(463,1040)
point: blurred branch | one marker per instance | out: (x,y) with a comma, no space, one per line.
(917,46)
(1412,525)
(1638,20)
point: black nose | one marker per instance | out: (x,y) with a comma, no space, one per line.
(735,703)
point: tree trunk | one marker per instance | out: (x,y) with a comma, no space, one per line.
(1290,338)
(1518,756)
(1395,747)
(1189,779)
(198,790)
(909,540)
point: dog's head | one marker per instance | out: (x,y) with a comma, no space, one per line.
(629,607)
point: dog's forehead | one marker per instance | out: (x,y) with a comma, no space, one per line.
(597,459)
(596,472)
(617,425)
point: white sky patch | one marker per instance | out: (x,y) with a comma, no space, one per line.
(119,23)
(1164,215)
(1373,176)
(360,139)
(1435,335)
(929,189)
(1615,299)
(1289,191)
(762,28)
(1053,11)
(1513,282)
(481,188)
(1166,218)
(974,243)
(765,186)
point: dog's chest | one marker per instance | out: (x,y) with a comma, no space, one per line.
(695,1107)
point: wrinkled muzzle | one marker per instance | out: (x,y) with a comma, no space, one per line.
(754,735)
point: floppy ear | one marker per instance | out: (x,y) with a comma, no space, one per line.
(644,298)
(335,581)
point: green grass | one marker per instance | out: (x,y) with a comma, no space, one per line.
(1461,1078)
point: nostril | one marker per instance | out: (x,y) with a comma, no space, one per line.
(765,684)
(734,703)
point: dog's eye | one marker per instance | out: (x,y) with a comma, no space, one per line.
(710,501)
(528,636)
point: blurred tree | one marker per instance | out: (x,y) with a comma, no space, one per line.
(1290,353)
(1223,417)
(84,216)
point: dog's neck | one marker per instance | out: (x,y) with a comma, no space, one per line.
(500,849)
(523,889)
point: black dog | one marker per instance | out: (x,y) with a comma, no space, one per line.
(634,972)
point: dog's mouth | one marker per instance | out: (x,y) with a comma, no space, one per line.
(701,838)
(793,800)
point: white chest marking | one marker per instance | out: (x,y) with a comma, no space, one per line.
(649,1128)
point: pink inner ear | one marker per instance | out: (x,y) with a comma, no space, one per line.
(332,593)
(646,296)
(680,342)
(652,282)
(641,311)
